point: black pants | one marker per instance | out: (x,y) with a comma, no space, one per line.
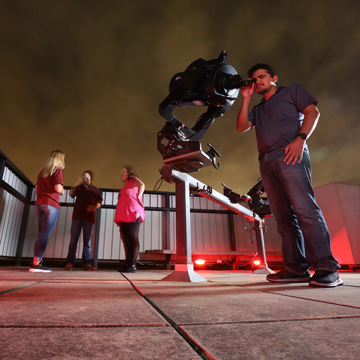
(130,236)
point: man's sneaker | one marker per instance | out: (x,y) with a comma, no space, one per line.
(123,268)
(285,276)
(39,268)
(68,267)
(129,269)
(88,267)
(325,278)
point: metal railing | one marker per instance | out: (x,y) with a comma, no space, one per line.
(213,229)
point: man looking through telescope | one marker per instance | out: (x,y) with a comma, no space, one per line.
(283,121)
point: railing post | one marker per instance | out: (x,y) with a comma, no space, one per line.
(97,237)
(2,167)
(166,229)
(23,226)
(232,237)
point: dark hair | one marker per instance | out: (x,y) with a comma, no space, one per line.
(130,170)
(89,172)
(269,69)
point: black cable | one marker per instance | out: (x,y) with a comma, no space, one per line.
(156,189)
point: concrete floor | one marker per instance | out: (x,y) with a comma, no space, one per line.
(235,315)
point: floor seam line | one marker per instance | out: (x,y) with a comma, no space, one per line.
(83,326)
(191,342)
(320,301)
(274,321)
(18,287)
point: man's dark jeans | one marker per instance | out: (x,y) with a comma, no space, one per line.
(300,222)
(76,227)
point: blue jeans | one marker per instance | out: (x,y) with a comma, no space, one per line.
(300,222)
(47,216)
(76,226)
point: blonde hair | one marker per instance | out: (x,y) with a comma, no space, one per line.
(55,161)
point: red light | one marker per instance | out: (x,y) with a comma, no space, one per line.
(200,262)
(257,262)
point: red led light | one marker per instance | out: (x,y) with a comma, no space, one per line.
(200,262)
(257,262)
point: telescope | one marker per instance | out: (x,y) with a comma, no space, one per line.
(212,83)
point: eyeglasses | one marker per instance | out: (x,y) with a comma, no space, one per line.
(123,171)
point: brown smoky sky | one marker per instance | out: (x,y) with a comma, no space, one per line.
(87,77)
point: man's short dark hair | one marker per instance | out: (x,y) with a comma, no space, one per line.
(269,69)
(90,173)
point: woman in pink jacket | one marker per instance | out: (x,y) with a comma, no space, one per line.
(129,215)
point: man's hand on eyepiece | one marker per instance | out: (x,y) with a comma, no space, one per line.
(248,91)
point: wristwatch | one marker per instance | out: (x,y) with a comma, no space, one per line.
(303,136)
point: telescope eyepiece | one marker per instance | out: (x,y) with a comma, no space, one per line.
(236,82)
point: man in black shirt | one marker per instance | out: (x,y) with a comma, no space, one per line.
(88,199)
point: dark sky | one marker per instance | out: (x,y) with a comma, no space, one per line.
(87,77)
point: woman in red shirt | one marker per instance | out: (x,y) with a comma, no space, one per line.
(129,215)
(49,187)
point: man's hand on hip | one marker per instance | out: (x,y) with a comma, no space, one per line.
(294,152)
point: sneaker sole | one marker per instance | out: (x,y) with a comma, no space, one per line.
(292,280)
(38,270)
(338,282)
